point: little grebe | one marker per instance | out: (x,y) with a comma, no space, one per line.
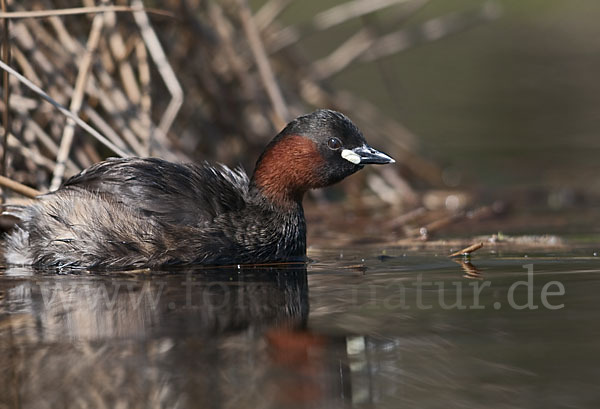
(150,212)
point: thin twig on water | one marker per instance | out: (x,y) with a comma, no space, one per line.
(467,250)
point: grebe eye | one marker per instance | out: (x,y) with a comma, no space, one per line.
(334,144)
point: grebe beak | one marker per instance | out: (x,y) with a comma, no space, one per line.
(364,155)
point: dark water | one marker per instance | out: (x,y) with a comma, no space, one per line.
(393,330)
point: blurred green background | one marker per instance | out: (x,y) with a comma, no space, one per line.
(510,102)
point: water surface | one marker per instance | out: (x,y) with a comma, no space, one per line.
(355,328)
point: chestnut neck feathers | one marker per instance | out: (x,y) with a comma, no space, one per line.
(287,169)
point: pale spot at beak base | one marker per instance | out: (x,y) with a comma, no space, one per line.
(351,156)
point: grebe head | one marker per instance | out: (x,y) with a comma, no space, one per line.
(312,151)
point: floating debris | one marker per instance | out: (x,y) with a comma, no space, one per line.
(467,250)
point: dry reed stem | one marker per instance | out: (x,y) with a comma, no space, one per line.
(327,19)
(76,51)
(102,139)
(269,12)
(65,40)
(236,63)
(115,100)
(19,187)
(432,30)
(350,10)
(426,231)
(47,142)
(81,10)
(344,55)
(119,51)
(264,66)
(34,156)
(115,103)
(349,51)
(6,96)
(125,124)
(145,97)
(104,126)
(26,67)
(76,101)
(365,46)
(25,39)
(163,66)
(21,104)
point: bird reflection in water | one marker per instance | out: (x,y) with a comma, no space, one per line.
(470,270)
(204,337)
